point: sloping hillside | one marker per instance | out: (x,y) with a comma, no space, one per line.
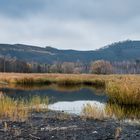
(127,50)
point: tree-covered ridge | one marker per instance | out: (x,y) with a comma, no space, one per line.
(120,51)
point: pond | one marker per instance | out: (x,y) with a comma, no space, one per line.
(73,99)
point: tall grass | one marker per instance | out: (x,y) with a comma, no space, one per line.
(121,89)
(60,79)
(111,111)
(93,112)
(32,81)
(19,109)
(122,111)
(124,92)
(66,81)
(37,103)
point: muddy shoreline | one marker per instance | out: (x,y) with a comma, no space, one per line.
(54,125)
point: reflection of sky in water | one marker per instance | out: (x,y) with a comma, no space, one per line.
(75,106)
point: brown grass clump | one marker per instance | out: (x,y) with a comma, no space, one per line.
(122,112)
(37,103)
(60,79)
(12,109)
(91,112)
(19,109)
(125,91)
(63,116)
(121,89)
(111,111)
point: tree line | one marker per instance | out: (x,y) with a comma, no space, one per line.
(8,64)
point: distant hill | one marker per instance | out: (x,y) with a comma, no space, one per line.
(126,50)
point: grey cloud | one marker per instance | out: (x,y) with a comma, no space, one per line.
(108,10)
(20,8)
(76,24)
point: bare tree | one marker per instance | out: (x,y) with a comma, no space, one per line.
(101,67)
(68,67)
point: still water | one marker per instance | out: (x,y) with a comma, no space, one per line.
(73,99)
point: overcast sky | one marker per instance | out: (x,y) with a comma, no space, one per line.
(69,24)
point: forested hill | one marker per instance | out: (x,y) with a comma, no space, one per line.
(126,50)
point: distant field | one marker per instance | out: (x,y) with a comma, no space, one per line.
(12,77)
(66,79)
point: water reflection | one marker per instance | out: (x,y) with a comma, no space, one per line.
(75,107)
(57,93)
(72,99)
(108,110)
(63,88)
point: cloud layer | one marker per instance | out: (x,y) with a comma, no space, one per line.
(69,24)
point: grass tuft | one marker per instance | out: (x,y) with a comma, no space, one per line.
(92,112)
(19,109)
(122,111)
(124,92)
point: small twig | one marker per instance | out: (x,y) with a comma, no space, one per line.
(34,137)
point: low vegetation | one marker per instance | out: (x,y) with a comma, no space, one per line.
(63,116)
(111,110)
(124,91)
(121,89)
(122,111)
(93,112)
(20,109)
(46,79)
(37,103)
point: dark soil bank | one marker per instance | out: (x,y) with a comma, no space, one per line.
(59,126)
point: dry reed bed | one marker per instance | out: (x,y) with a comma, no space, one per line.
(66,79)
(93,112)
(110,110)
(20,109)
(122,111)
(61,79)
(121,89)
(124,91)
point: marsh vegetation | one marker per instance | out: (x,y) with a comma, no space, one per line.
(113,111)
(20,109)
(122,91)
